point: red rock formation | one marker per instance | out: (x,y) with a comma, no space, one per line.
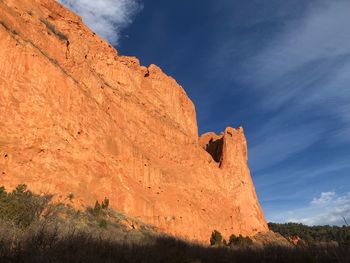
(76,117)
(295,240)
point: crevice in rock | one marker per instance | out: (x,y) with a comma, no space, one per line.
(67,49)
(52,60)
(147,74)
(214,148)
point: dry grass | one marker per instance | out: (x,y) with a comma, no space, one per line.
(67,235)
(57,243)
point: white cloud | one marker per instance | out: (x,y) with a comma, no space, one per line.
(325,198)
(326,209)
(106,17)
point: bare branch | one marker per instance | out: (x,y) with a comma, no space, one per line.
(346,223)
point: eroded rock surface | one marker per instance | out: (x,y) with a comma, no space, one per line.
(77,117)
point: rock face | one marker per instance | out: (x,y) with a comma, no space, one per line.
(77,117)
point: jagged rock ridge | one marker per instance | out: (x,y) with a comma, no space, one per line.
(77,117)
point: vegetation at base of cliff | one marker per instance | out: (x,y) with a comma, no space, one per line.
(34,230)
(234,241)
(216,238)
(239,241)
(314,234)
(21,207)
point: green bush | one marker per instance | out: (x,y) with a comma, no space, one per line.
(240,241)
(102,223)
(105,203)
(314,234)
(99,209)
(216,238)
(21,206)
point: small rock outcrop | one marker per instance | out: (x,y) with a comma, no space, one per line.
(77,118)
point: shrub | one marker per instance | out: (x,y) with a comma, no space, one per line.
(102,223)
(216,238)
(70,196)
(21,206)
(99,209)
(240,241)
(105,203)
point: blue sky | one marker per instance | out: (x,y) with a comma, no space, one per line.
(280,69)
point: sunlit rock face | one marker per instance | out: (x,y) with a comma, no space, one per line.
(77,117)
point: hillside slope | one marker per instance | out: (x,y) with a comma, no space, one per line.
(78,118)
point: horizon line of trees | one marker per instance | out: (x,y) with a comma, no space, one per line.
(313,234)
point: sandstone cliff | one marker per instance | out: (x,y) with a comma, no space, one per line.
(77,117)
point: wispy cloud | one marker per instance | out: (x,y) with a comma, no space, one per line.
(325,198)
(328,208)
(306,67)
(302,79)
(106,17)
(321,35)
(280,144)
(291,176)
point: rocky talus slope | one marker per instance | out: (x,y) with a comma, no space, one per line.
(78,119)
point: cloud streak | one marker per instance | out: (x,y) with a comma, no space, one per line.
(302,78)
(307,66)
(106,17)
(281,144)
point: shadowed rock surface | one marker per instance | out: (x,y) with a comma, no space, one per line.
(77,117)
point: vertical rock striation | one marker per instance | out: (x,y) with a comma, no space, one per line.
(77,117)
